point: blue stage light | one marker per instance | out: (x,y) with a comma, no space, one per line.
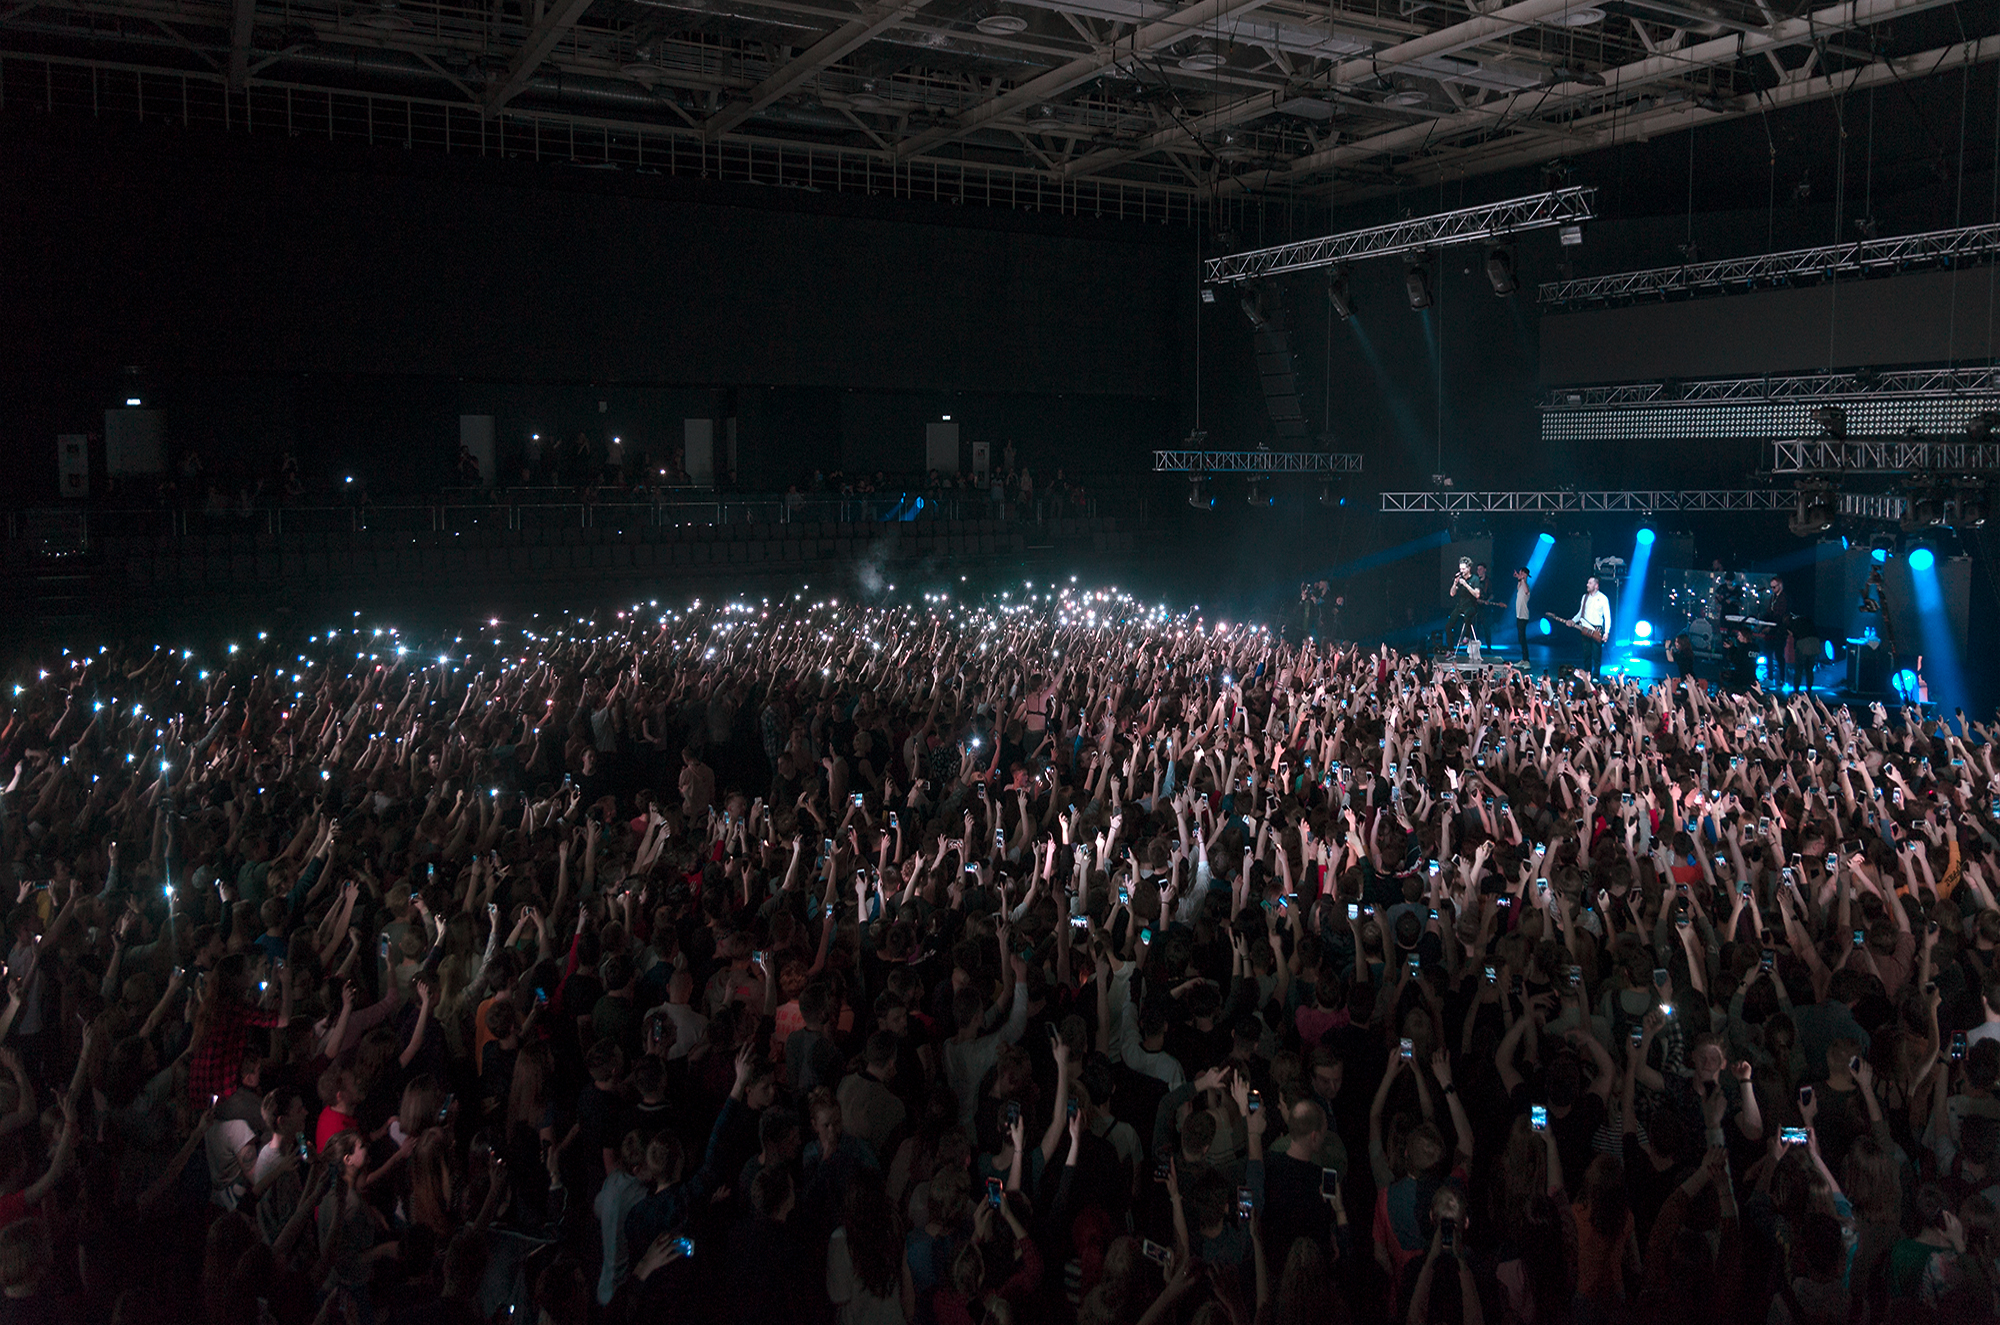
(1922,559)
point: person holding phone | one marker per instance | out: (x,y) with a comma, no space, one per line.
(222,1027)
(1456,1272)
(1289,1187)
(278,1174)
(1406,1193)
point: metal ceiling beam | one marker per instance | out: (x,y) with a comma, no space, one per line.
(1610,127)
(550,28)
(836,45)
(1445,41)
(1625,78)
(1188,22)
(239,43)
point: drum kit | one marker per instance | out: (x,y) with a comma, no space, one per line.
(1708,605)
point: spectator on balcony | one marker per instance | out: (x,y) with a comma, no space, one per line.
(574,462)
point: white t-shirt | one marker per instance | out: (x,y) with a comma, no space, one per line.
(225,1142)
(1595,612)
(689,1026)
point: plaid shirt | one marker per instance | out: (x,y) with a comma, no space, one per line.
(217,1063)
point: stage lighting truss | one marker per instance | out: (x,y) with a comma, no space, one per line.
(1931,403)
(1255,462)
(1825,456)
(1794,266)
(1467,225)
(1557,501)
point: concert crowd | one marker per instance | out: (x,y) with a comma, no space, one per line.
(1058,959)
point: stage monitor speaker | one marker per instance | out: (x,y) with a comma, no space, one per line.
(1869,667)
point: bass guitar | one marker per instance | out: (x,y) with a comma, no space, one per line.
(1587,631)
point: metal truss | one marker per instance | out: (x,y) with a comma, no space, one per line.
(1933,246)
(1467,225)
(1255,462)
(1873,506)
(1801,386)
(1825,456)
(1556,502)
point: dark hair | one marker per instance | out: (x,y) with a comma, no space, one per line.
(770,1189)
(874,1235)
(777,1125)
(1604,1190)
(1982,1063)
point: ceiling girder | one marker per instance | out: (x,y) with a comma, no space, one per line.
(550,27)
(836,45)
(1640,73)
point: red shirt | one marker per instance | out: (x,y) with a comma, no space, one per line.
(217,1066)
(332,1122)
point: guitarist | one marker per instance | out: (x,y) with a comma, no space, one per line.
(1593,614)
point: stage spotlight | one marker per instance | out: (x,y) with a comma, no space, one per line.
(1328,496)
(1832,420)
(1646,537)
(1813,512)
(1924,509)
(1199,496)
(1500,271)
(1970,506)
(1571,235)
(1939,667)
(1881,547)
(1981,425)
(1546,629)
(1338,294)
(1257,495)
(1208,294)
(1642,630)
(1417,284)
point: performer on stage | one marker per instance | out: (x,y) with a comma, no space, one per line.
(1778,635)
(1594,611)
(1312,608)
(1521,588)
(1466,591)
(1739,659)
(1680,652)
